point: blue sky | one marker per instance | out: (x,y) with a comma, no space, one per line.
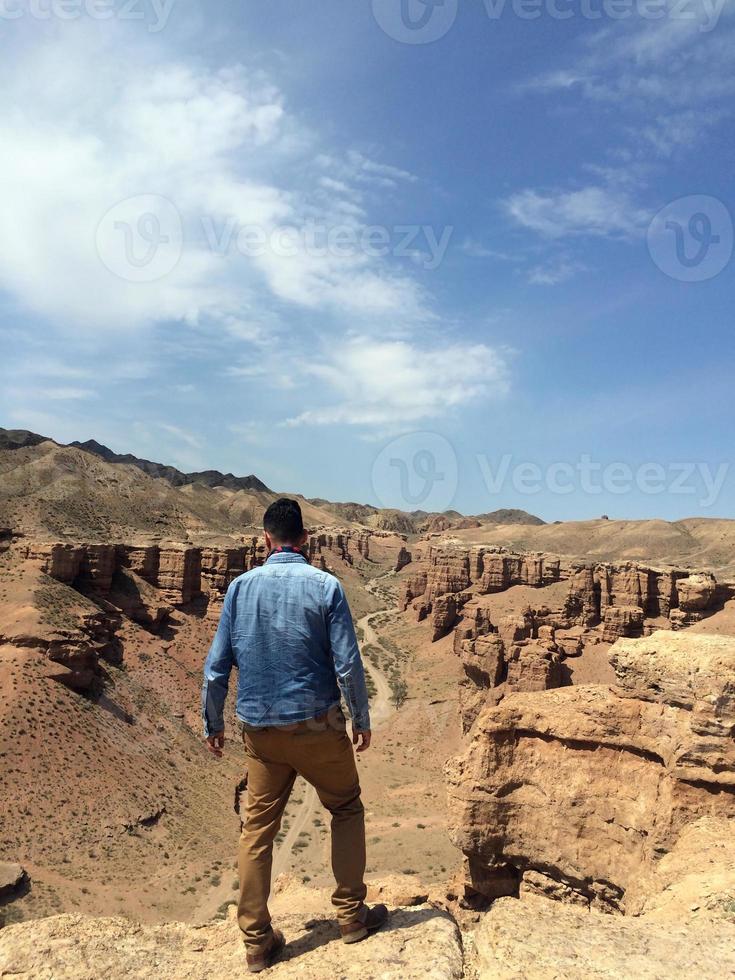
(278,238)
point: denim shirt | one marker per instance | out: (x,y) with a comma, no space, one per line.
(287,628)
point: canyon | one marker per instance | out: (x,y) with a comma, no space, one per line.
(551,790)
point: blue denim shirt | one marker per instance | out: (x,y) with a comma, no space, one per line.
(287,628)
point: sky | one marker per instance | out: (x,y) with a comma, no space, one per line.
(414,253)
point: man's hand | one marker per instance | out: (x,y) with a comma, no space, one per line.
(362,737)
(215,743)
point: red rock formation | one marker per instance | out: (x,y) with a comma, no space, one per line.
(219,567)
(500,571)
(97,568)
(411,588)
(403,559)
(696,594)
(519,655)
(617,597)
(141,560)
(443,615)
(61,561)
(448,571)
(587,788)
(622,621)
(180,574)
(534,664)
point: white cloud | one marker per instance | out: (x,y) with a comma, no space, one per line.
(555,271)
(593,210)
(183,435)
(111,116)
(666,79)
(53,393)
(682,60)
(394,382)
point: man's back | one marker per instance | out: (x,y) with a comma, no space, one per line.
(287,627)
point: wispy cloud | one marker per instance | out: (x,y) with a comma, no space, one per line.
(676,69)
(53,393)
(557,270)
(593,210)
(387,383)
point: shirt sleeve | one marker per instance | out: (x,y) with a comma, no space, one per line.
(217,669)
(347,659)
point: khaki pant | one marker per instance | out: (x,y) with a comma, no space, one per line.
(320,751)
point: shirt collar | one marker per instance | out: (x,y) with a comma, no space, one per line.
(286,553)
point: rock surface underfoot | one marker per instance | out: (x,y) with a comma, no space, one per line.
(421,943)
(548,941)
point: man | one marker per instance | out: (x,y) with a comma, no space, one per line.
(287,628)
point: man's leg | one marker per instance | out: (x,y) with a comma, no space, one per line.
(269,787)
(326,760)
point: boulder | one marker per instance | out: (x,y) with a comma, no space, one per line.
(13,878)
(403,558)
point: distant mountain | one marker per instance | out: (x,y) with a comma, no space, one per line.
(389,519)
(210,478)
(509,515)
(19,438)
(22,438)
(421,521)
(362,513)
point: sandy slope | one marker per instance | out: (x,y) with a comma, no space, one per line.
(696,541)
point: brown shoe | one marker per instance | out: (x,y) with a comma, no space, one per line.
(266,957)
(373,919)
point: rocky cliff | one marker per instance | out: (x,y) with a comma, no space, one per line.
(181,572)
(73,596)
(613,600)
(579,793)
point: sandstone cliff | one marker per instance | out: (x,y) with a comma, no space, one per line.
(72,597)
(613,600)
(580,793)
(181,572)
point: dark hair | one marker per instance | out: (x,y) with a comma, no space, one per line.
(283,521)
